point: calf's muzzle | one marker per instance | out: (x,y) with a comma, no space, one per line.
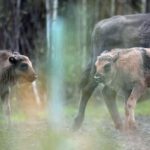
(99,77)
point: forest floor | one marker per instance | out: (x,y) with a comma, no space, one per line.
(96,133)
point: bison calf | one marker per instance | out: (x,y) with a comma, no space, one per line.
(13,68)
(126,71)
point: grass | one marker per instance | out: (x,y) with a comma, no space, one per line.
(94,134)
(143,108)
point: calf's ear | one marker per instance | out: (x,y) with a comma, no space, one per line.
(12,60)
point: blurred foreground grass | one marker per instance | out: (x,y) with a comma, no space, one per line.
(96,133)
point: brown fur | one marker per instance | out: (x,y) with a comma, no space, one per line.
(14,67)
(119,31)
(127,73)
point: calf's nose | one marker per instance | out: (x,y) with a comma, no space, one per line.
(97,75)
(33,77)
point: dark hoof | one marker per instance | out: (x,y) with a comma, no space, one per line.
(77,123)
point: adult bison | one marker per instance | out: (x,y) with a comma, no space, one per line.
(119,72)
(14,68)
(116,32)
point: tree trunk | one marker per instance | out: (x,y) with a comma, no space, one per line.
(143,10)
(78,27)
(147,6)
(17,26)
(48,29)
(119,8)
(84,31)
(97,11)
(112,12)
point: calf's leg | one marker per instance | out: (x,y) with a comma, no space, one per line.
(86,92)
(6,106)
(130,105)
(110,100)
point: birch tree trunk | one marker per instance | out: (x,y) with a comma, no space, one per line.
(48,29)
(112,12)
(84,31)
(97,10)
(78,27)
(48,44)
(143,10)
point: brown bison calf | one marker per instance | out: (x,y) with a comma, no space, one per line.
(126,71)
(13,68)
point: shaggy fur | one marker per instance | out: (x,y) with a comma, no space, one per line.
(131,70)
(13,68)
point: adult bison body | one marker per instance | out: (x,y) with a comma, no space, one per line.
(116,32)
(119,72)
(13,68)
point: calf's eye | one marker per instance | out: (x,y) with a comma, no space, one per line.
(24,66)
(107,67)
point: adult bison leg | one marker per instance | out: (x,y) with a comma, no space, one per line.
(86,92)
(130,105)
(110,100)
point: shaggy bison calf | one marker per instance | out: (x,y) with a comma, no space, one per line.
(126,71)
(13,68)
